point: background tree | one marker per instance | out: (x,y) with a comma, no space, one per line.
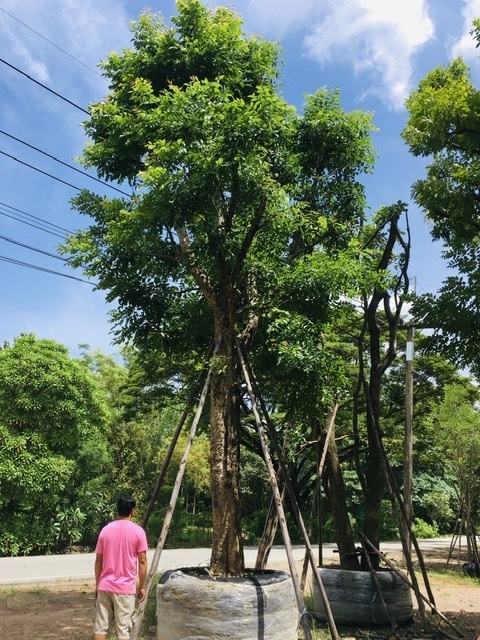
(53,447)
(234,193)
(443,126)
(457,422)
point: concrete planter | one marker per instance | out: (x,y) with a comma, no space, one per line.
(193,606)
(354,598)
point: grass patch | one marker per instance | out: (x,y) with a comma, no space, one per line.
(149,622)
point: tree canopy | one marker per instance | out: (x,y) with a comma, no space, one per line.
(444,126)
(234,193)
(52,420)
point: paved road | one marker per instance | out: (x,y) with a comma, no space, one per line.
(37,569)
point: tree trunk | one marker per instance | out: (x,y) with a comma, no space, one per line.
(375,475)
(227,551)
(268,536)
(336,489)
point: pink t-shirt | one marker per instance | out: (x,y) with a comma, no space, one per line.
(119,543)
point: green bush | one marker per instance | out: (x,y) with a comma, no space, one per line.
(423,529)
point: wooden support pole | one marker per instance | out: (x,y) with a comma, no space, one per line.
(278,501)
(170,510)
(402,520)
(376,583)
(321,464)
(411,585)
(173,442)
(281,514)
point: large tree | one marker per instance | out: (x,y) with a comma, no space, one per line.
(234,192)
(52,419)
(444,126)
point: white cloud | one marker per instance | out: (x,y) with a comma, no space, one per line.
(465,46)
(31,30)
(279,16)
(377,38)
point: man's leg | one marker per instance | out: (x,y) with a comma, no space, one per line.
(103,615)
(124,610)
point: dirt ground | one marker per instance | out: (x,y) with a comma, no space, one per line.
(64,611)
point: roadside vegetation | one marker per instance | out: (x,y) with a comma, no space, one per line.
(249,230)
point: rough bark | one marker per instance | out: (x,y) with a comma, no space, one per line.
(227,550)
(379,363)
(336,489)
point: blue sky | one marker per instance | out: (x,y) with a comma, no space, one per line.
(374,51)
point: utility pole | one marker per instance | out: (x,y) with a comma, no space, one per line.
(408,445)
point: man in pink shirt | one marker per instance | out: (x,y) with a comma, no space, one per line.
(121,554)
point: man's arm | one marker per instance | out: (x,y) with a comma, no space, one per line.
(142,574)
(98,569)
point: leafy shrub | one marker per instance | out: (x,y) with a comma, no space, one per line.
(423,529)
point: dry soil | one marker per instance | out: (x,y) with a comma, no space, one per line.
(64,611)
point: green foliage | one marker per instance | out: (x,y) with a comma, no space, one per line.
(458,431)
(194,119)
(69,524)
(443,126)
(52,447)
(435,500)
(43,390)
(32,481)
(240,212)
(424,530)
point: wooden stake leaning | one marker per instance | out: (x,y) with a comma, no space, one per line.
(331,423)
(293,499)
(278,500)
(170,510)
(173,442)
(294,503)
(410,584)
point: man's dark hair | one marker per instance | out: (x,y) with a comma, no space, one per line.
(125,505)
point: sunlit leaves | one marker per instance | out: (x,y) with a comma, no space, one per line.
(444,126)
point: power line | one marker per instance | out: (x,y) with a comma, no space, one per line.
(44,86)
(65,164)
(27,246)
(37,268)
(30,224)
(45,173)
(50,42)
(14,213)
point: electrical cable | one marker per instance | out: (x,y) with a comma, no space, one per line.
(27,246)
(44,86)
(45,173)
(30,224)
(65,164)
(37,268)
(52,43)
(13,212)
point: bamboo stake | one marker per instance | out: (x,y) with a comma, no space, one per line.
(331,423)
(402,577)
(278,500)
(271,525)
(399,506)
(376,582)
(298,515)
(171,508)
(173,443)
